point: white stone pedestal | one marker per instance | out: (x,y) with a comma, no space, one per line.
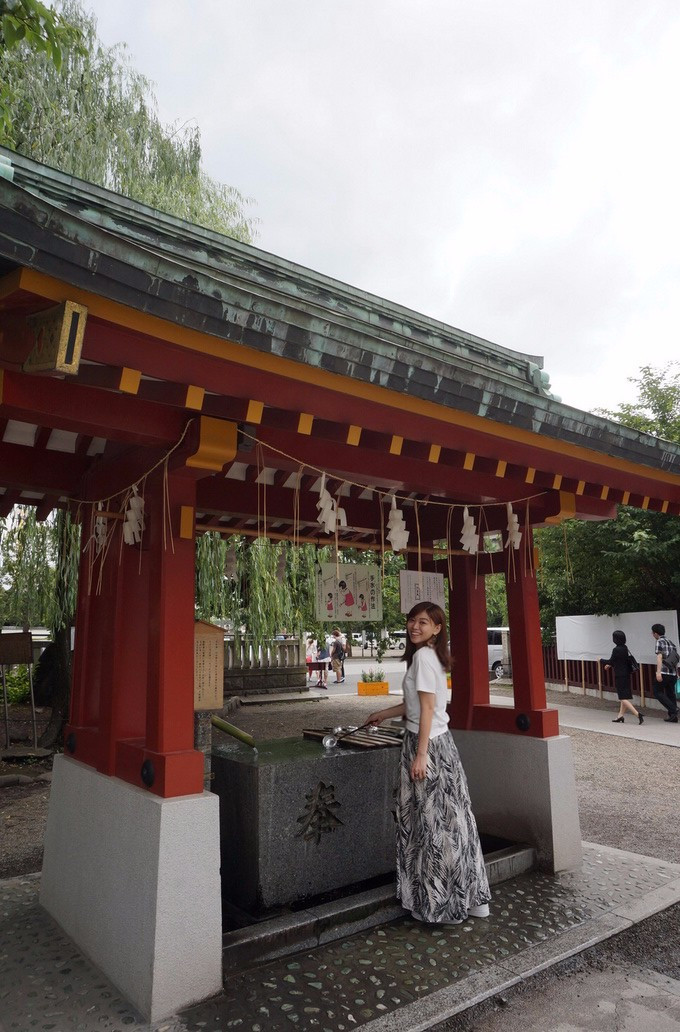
(524,789)
(134,880)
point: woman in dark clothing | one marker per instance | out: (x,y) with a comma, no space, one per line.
(619,662)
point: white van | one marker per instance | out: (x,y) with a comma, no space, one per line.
(494,638)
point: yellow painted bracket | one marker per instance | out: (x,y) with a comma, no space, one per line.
(186,522)
(216,446)
(567,508)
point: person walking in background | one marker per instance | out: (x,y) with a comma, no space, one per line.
(337,655)
(622,663)
(666,673)
(310,656)
(441,876)
(323,656)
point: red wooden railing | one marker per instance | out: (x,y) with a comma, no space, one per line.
(589,674)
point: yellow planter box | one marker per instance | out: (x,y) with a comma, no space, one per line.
(373,688)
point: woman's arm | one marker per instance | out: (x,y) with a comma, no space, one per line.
(385,714)
(419,765)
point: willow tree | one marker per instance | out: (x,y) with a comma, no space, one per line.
(95,116)
(265,586)
(38,579)
(83,108)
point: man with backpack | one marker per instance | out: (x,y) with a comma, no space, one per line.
(666,672)
(337,655)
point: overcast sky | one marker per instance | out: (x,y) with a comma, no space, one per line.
(511,168)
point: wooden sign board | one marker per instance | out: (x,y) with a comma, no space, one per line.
(208,667)
(57,339)
(16,647)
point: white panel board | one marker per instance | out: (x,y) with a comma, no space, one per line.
(590,637)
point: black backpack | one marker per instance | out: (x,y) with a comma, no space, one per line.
(338,651)
(672,659)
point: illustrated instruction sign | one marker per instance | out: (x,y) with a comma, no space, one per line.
(417,587)
(348,592)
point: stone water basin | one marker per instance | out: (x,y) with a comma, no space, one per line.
(298,820)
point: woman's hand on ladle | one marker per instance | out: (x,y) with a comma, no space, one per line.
(376,718)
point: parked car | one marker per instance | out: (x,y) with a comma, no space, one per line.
(494,637)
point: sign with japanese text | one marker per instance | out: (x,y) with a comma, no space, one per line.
(417,587)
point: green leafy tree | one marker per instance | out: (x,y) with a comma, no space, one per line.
(496,601)
(94,116)
(628,564)
(657,408)
(36,29)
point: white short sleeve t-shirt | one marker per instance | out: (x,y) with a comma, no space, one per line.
(426,674)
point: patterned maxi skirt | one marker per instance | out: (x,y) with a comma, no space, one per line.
(440,867)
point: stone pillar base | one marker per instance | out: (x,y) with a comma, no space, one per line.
(134,880)
(524,789)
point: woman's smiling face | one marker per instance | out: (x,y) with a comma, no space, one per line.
(421,628)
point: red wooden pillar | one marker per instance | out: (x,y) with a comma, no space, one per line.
(109,676)
(467,618)
(166,761)
(132,711)
(528,677)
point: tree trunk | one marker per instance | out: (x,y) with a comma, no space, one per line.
(61,689)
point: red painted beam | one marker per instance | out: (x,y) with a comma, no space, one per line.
(239,498)
(106,343)
(31,469)
(64,405)
(7,502)
(388,472)
(108,476)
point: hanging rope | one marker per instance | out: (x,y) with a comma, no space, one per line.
(449,522)
(379,491)
(567,561)
(420,556)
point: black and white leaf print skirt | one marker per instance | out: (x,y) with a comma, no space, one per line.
(440,867)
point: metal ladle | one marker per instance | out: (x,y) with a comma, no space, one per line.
(330,741)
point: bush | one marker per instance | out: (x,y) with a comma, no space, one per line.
(16,680)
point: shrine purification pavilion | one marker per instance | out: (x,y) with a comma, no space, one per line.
(144,357)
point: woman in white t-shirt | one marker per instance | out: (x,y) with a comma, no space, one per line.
(441,876)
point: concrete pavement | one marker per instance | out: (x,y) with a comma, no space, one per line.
(572,714)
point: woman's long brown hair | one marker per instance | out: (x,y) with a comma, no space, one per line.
(437,616)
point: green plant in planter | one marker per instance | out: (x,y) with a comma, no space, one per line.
(372,675)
